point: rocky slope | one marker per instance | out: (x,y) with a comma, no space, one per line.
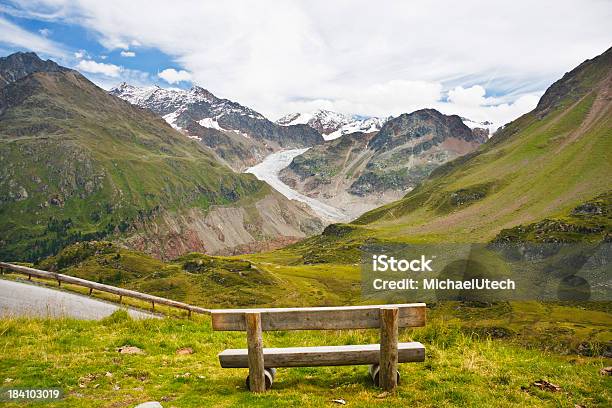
(333,124)
(360,171)
(239,136)
(78,164)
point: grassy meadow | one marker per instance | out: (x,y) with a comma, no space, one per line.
(463,367)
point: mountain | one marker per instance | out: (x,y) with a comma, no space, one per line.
(21,64)
(239,136)
(78,164)
(333,124)
(544,176)
(360,171)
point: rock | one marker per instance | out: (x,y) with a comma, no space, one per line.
(149,404)
(606,371)
(339,401)
(185,350)
(130,350)
(547,386)
(186,375)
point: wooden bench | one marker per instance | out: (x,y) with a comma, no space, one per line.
(382,358)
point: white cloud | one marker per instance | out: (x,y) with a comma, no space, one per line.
(131,76)
(473,96)
(128,54)
(45,32)
(15,36)
(472,104)
(80,54)
(172,76)
(94,67)
(357,56)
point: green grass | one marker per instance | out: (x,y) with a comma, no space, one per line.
(462,368)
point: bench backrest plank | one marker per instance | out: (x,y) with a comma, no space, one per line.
(319,318)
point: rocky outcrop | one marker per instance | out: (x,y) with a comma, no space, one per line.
(21,64)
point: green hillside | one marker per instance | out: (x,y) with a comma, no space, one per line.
(540,165)
(79,164)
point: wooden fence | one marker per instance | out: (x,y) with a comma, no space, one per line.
(59,278)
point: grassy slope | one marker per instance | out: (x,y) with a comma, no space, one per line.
(208,281)
(541,165)
(461,369)
(106,162)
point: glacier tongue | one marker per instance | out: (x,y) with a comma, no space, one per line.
(268,171)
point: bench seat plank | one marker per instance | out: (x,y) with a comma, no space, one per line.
(319,318)
(321,355)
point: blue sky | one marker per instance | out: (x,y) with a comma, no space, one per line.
(484,60)
(139,65)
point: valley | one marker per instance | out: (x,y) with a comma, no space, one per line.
(538,180)
(169,172)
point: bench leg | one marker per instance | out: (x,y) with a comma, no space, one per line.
(388,348)
(374,371)
(269,373)
(257,381)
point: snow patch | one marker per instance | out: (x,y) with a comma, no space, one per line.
(171,119)
(484,125)
(210,123)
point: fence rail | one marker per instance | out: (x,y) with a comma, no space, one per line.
(102,288)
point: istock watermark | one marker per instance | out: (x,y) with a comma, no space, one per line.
(487,272)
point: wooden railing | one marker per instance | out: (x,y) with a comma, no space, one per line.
(102,288)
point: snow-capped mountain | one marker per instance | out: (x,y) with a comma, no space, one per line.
(333,124)
(239,135)
(172,103)
(486,125)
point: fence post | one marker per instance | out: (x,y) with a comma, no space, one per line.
(257,381)
(388,348)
